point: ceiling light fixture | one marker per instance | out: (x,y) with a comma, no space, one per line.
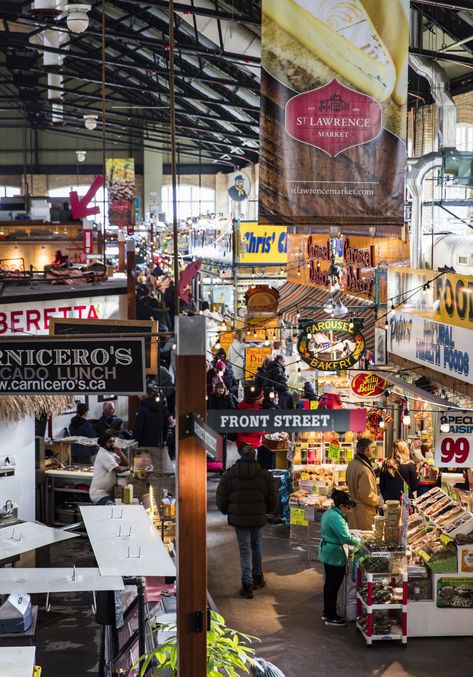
(90,121)
(77,19)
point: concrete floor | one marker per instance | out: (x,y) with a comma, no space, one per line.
(286,616)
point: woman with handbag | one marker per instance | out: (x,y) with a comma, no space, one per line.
(398,473)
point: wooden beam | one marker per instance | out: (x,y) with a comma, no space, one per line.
(191,500)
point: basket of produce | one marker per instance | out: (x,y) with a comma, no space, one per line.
(276,441)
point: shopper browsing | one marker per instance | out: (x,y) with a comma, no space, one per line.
(398,474)
(361,482)
(109,462)
(247,493)
(334,535)
(81,427)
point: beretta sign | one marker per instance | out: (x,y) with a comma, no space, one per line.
(239,420)
(86,366)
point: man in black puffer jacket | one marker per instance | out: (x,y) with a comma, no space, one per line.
(278,379)
(150,429)
(247,493)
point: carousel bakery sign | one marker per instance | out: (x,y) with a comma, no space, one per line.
(331,345)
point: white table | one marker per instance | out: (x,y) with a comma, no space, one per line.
(29,536)
(125,542)
(57,580)
(17,661)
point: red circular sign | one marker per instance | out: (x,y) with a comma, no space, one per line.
(368,385)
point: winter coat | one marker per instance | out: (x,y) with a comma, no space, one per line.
(80,427)
(391,486)
(278,380)
(229,379)
(150,428)
(227,401)
(236,357)
(361,482)
(255,439)
(247,493)
(334,534)
(262,377)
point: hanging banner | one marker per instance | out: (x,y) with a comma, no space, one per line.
(331,345)
(88,241)
(121,191)
(333,110)
(454,449)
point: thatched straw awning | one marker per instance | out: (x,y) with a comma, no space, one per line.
(16,407)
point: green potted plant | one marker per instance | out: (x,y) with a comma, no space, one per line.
(228,651)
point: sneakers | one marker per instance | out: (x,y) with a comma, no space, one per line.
(258,582)
(338,621)
(246,591)
(323,617)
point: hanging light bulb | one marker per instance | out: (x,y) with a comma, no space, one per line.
(298,315)
(406,417)
(158,396)
(309,335)
(255,334)
(386,322)
(299,367)
(444,425)
(218,345)
(351,325)
(318,266)
(252,389)
(382,423)
(266,340)
(271,394)
(248,332)
(173,346)
(298,272)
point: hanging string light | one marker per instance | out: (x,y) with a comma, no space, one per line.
(406,417)
(266,340)
(444,425)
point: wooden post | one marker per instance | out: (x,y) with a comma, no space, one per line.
(191,500)
(131,311)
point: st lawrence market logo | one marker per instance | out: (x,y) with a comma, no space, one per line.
(333,118)
(331,345)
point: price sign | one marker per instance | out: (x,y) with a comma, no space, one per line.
(454,449)
(297,517)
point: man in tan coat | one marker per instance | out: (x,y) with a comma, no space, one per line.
(361,482)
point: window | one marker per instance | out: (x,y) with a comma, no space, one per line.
(464,137)
(10,191)
(192,201)
(62,193)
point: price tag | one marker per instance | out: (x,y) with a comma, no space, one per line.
(455,449)
(334,451)
(309,513)
(378,555)
(349,454)
(297,517)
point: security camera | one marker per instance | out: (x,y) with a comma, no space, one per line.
(90,121)
(81,155)
(77,19)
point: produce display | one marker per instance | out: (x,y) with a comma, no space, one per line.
(382,624)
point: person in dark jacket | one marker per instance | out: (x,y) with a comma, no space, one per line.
(150,428)
(271,399)
(262,373)
(397,471)
(278,379)
(228,376)
(309,392)
(80,427)
(169,298)
(247,493)
(220,398)
(101,425)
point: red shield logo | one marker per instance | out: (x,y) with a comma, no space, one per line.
(333,118)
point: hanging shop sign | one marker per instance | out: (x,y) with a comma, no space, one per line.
(334,91)
(368,385)
(454,449)
(358,258)
(290,420)
(444,348)
(34,317)
(260,245)
(81,366)
(58,327)
(88,241)
(239,186)
(121,191)
(80,206)
(446,298)
(331,345)
(253,359)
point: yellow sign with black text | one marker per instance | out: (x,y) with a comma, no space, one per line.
(260,245)
(253,359)
(442,297)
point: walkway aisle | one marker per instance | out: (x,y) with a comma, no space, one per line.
(286,616)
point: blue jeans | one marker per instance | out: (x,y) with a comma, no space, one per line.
(250,542)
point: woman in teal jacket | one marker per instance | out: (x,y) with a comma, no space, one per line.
(334,535)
